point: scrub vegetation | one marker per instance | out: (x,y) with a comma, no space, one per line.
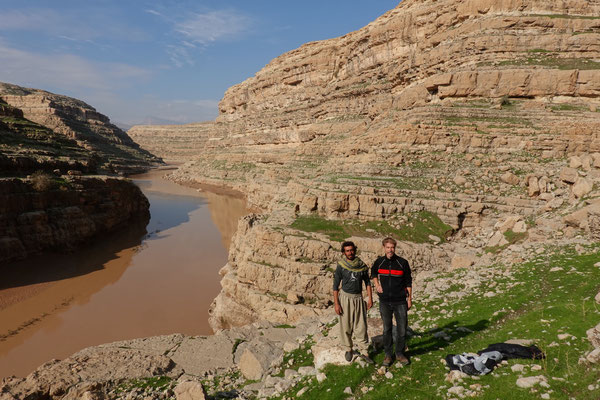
(417,228)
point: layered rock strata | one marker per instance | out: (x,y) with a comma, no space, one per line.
(469,110)
(61,213)
(36,126)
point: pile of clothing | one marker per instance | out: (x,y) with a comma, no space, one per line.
(486,360)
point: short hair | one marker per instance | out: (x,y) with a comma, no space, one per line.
(389,240)
(348,243)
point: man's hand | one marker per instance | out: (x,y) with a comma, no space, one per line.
(408,303)
(338,309)
(379,289)
(369,303)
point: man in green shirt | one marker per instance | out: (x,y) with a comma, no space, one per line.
(351,273)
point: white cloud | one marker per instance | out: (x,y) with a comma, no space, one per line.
(64,70)
(76,25)
(204,28)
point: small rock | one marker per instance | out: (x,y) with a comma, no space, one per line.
(536,367)
(457,390)
(509,178)
(460,180)
(302,391)
(321,377)
(455,375)
(517,368)
(531,381)
(348,390)
(389,375)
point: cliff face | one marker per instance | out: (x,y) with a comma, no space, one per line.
(35,124)
(482,113)
(46,213)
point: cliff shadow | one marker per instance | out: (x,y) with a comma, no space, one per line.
(52,266)
(168,210)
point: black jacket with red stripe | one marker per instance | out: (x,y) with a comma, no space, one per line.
(394,276)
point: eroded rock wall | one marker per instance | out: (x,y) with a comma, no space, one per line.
(62,217)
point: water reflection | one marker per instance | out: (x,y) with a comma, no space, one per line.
(131,285)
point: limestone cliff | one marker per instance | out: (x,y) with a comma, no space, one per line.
(59,214)
(39,128)
(47,143)
(483,114)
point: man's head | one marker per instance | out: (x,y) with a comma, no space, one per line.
(349,250)
(389,246)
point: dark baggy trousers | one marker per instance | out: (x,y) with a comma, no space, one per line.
(397,311)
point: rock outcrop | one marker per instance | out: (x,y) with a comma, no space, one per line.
(52,213)
(467,110)
(43,130)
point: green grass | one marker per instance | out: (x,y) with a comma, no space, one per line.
(564,16)
(568,107)
(417,229)
(532,303)
(554,62)
(300,357)
(284,326)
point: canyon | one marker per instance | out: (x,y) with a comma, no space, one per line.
(468,130)
(476,121)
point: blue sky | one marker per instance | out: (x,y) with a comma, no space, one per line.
(166,59)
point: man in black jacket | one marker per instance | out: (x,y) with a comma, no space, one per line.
(393,283)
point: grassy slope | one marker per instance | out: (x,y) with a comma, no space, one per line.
(538,304)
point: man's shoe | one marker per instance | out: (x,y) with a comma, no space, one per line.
(348,356)
(387,361)
(367,358)
(402,359)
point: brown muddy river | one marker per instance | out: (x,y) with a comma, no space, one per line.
(144,281)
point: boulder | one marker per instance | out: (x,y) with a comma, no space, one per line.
(510,178)
(533,187)
(568,175)
(257,357)
(593,335)
(574,162)
(462,261)
(581,187)
(190,391)
(460,180)
(593,356)
(497,239)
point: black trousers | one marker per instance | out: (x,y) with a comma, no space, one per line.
(397,311)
